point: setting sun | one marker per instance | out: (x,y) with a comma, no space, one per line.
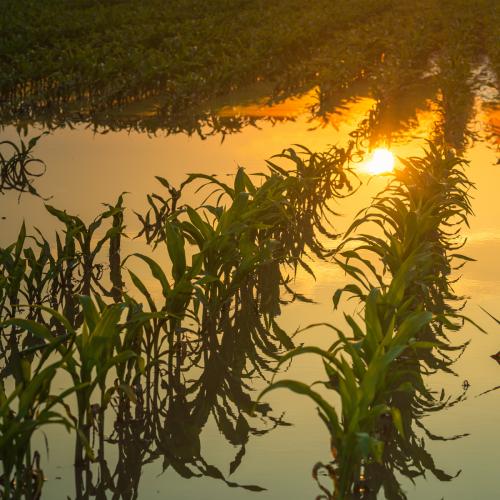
(380,162)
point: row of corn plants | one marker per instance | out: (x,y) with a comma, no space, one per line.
(118,343)
(383,45)
(188,56)
(401,273)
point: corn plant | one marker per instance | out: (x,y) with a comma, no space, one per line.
(27,408)
(34,274)
(76,266)
(27,274)
(91,355)
(363,381)
(404,316)
(248,231)
(419,216)
(31,272)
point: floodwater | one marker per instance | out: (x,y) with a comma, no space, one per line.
(86,169)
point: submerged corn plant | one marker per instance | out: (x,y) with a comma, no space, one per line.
(28,405)
(75,267)
(243,237)
(101,347)
(406,313)
(418,218)
(257,227)
(360,369)
(33,272)
(291,202)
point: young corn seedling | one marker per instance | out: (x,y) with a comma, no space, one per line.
(90,357)
(360,370)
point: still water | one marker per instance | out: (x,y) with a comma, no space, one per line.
(86,169)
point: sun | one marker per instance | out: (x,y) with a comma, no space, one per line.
(380,162)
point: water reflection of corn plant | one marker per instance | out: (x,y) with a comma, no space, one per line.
(18,167)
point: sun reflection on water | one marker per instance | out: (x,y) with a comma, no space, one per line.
(380,161)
